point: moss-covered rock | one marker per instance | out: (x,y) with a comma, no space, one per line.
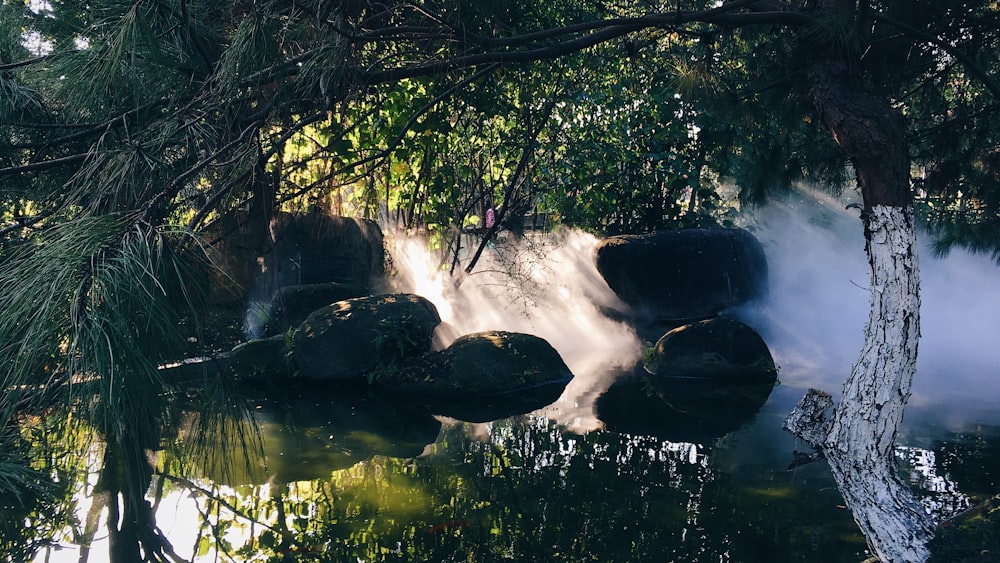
(352,338)
(714,349)
(483,364)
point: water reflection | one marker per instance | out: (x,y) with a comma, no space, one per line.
(309,432)
(360,477)
(680,410)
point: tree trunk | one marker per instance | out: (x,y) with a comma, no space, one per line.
(859,441)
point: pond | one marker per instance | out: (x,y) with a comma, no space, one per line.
(354,474)
(354,477)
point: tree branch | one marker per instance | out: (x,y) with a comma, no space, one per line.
(19,64)
(596,33)
(45,164)
(174,186)
(399,137)
(516,179)
(967,61)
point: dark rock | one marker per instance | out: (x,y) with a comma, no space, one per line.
(351,338)
(485,364)
(686,274)
(292,304)
(311,248)
(696,411)
(261,356)
(256,254)
(714,350)
(495,407)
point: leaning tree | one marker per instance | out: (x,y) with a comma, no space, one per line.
(126,126)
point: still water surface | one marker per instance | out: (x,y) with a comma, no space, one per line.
(354,477)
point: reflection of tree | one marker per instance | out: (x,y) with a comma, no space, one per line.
(527,490)
(522,489)
(34,517)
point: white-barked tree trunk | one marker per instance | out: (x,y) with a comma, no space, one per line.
(859,441)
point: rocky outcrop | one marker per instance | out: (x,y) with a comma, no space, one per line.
(349,339)
(684,275)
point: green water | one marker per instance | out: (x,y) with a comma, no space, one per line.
(354,476)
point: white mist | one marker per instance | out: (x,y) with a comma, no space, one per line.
(548,286)
(814,317)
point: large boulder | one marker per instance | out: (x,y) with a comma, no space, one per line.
(686,274)
(314,247)
(699,382)
(718,349)
(485,364)
(291,305)
(257,254)
(349,339)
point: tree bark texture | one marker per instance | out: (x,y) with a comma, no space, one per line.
(859,440)
(860,444)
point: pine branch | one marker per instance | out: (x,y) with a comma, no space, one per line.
(45,164)
(19,64)
(967,61)
(594,33)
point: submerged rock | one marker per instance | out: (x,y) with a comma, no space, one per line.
(685,274)
(713,350)
(351,338)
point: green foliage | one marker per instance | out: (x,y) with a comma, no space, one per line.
(649,357)
(125,121)
(397,341)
